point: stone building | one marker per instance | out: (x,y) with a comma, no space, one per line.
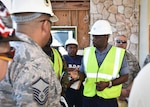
(123,16)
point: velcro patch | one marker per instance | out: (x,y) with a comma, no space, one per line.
(40,91)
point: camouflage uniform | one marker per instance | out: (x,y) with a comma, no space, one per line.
(147,60)
(134,68)
(31,80)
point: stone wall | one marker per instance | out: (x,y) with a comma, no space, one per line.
(123,16)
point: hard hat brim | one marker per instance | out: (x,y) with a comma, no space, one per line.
(91,33)
(53,18)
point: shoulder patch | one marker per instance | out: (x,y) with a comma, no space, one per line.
(40,91)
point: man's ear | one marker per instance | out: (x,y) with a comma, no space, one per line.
(45,27)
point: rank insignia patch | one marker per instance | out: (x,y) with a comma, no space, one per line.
(40,91)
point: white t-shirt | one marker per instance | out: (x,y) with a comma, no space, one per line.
(140,92)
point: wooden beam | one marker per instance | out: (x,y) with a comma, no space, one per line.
(71,5)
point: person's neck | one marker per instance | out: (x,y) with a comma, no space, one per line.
(73,56)
(102,48)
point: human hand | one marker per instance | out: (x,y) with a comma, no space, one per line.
(101,85)
(124,94)
(4,47)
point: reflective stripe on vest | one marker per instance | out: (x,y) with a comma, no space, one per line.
(108,70)
(58,63)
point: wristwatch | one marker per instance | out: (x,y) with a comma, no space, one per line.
(110,84)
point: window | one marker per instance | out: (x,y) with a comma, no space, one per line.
(61,33)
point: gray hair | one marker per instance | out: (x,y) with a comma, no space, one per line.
(21,18)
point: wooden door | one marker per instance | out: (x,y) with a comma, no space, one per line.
(74,13)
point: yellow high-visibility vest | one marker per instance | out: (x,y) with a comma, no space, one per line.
(58,63)
(108,70)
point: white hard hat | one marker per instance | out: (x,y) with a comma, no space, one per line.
(101,27)
(37,6)
(71,41)
(56,43)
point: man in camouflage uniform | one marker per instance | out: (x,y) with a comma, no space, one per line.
(31,80)
(121,41)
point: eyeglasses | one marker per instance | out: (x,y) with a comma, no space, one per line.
(121,41)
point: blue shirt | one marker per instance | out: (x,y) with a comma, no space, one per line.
(73,62)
